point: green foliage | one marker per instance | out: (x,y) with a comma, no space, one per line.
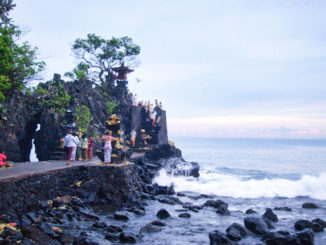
(110,106)
(57,99)
(101,55)
(83,118)
(79,72)
(5,7)
(18,62)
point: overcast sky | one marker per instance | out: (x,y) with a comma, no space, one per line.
(250,68)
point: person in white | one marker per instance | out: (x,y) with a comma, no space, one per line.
(133,135)
(75,142)
(68,143)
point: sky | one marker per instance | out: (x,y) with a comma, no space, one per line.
(250,68)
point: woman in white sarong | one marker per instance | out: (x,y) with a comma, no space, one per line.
(107,147)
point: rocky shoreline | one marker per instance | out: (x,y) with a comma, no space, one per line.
(82,205)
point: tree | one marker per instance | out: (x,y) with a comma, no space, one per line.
(79,72)
(101,55)
(18,62)
(5,7)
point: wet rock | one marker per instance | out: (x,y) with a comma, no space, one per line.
(66,238)
(216,237)
(158,223)
(310,205)
(126,237)
(303,224)
(236,231)
(320,221)
(256,225)
(88,238)
(221,207)
(283,209)
(163,214)
(38,236)
(25,221)
(121,215)
(47,229)
(150,228)
(184,215)
(101,225)
(114,229)
(280,238)
(168,199)
(113,237)
(194,208)
(163,151)
(306,237)
(163,190)
(88,213)
(270,215)
(44,205)
(250,211)
(180,194)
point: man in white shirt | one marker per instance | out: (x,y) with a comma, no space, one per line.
(69,143)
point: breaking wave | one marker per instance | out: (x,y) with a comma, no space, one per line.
(233,186)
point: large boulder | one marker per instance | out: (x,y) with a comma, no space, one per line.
(163,214)
(256,225)
(236,231)
(221,207)
(280,238)
(270,215)
(218,238)
(306,237)
(304,224)
(310,205)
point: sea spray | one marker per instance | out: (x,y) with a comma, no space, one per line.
(233,186)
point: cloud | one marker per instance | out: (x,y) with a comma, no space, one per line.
(249,126)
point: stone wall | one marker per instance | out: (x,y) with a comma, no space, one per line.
(105,188)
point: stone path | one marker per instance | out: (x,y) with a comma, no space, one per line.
(29,168)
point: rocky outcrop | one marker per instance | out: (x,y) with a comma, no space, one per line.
(21,114)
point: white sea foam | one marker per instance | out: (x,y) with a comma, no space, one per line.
(227,185)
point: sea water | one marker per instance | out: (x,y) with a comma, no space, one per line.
(247,173)
(252,168)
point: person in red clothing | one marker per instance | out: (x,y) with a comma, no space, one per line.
(90,147)
(2,158)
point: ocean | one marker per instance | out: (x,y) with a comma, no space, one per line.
(245,173)
(252,168)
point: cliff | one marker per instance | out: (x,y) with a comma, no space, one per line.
(56,105)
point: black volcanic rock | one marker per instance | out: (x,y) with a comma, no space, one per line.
(221,207)
(163,151)
(163,214)
(280,238)
(121,215)
(310,205)
(256,225)
(319,221)
(306,237)
(236,231)
(150,228)
(184,215)
(270,215)
(250,211)
(283,209)
(216,237)
(126,237)
(302,224)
